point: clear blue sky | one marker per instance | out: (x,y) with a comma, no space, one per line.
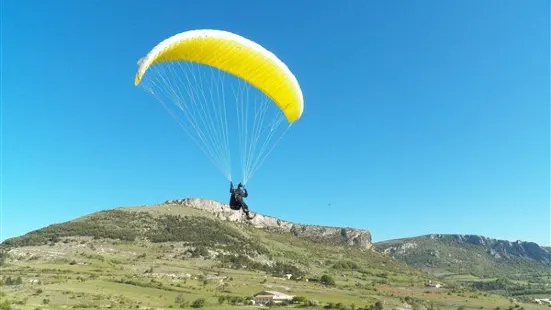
(420,117)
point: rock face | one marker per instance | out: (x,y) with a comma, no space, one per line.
(401,249)
(325,234)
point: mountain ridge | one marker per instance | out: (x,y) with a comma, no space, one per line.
(320,233)
(526,249)
(328,233)
(267,221)
(214,210)
(451,255)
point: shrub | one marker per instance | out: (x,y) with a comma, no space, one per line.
(179,299)
(299,299)
(327,280)
(198,303)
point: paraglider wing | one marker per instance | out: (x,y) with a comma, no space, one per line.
(235,55)
(198,99)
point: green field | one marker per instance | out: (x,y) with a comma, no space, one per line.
(100,274)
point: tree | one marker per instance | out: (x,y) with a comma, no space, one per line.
(327,280)
(179,299)
(378,306)
(299,299)
(198,303)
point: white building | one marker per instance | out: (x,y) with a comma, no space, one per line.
(436,285)
(265,297)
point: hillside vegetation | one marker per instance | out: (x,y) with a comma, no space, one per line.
(510,268)
(171,256)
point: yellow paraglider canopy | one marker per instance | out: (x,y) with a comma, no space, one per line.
(235,55)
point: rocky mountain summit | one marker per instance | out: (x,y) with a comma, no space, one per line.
(325,234)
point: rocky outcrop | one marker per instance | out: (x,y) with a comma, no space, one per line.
(355,237)
(401,249)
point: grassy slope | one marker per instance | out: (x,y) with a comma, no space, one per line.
(134,272)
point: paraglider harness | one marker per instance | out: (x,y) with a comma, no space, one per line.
(236,200)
